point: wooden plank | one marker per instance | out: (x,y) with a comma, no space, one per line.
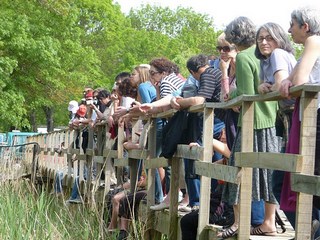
(205,182)
(174,191)
(89,152)
(246,173)
(152,149)
(167,114)
(121,162)
(156,163)
(184,151)
(308,184)
(288,235)
(308,106)
(138,153)
(108,153)
(276,161)
(99,159)
(75,151)
(218,171)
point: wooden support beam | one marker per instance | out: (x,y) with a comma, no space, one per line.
(174,190)
(246,176)
(121,162)
(98,159)
(205,182)
(108,153)
(167,114)
(156,163)
(218,171)
(276,161)
(308,184)
(308,110)
(194,153)
(138,154)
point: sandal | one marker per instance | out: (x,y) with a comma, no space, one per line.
(258,231)
(229,232)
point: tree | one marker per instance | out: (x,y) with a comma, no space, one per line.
(183,32)
(43,56)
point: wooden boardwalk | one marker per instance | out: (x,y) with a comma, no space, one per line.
(167,222)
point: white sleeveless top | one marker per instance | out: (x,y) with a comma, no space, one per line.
(314,77)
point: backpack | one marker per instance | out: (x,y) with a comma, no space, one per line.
(172,133)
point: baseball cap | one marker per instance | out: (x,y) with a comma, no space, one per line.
(73,106)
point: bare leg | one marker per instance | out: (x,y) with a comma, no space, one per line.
(115,210)
(268,226)
(124,224)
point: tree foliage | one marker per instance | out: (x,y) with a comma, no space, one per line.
(50,50)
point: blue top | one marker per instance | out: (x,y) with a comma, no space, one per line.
(190,81)
(278,60)
(147,91)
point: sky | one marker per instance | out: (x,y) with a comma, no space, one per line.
(259,12)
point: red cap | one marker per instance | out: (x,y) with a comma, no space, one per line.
(89,94)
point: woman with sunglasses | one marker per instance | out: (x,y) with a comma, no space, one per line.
(165,76)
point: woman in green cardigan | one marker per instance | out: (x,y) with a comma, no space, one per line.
(242,33)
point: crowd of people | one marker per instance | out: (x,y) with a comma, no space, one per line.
(251,61)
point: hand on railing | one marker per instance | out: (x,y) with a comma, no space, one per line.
(146,107)
(284,88)
(174,104)
(265,88)
(119,112)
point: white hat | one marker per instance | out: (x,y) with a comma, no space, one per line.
(73,106)
(144,65)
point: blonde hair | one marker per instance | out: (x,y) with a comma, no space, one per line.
(143,71)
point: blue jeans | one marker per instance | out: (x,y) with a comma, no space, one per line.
(193,180)
(75,189)
(58,182)
(158,185)
(257,212)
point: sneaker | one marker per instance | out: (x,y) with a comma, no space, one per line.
(194,208)
(75,201)
(180,198)
(161,206)
(184,208)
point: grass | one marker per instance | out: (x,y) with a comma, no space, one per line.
(28,214)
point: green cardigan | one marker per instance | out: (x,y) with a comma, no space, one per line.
(248,80)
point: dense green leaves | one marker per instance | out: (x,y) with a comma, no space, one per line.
(50,50)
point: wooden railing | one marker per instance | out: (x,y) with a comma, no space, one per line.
(300,165)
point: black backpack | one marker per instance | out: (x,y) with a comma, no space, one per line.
(182,128)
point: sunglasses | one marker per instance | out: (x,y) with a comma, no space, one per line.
(225,48)
(153,72)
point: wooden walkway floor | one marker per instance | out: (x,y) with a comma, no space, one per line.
(161,224)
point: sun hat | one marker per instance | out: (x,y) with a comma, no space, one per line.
(73,106)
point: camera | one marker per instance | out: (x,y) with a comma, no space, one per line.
(89,102)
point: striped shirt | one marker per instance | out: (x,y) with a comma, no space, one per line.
(170,84)
(210,84)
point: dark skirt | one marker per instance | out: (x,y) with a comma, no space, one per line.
(265,140)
